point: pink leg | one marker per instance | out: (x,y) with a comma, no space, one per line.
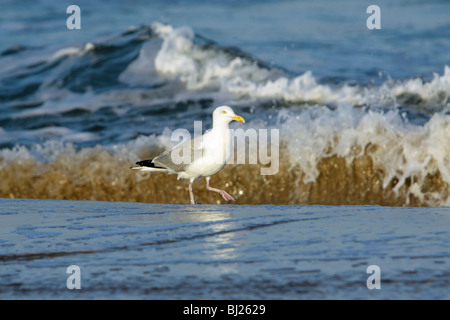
(191,193)
(225,195)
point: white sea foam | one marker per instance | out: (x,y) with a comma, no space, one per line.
(201,68)
(142,70)
(72,51)
(61,100)
(402,150)
(46,134)
(438,88)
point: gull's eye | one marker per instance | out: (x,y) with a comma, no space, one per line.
(224,112)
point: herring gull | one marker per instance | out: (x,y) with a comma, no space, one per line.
(200,157)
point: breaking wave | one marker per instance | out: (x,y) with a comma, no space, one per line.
(105,105)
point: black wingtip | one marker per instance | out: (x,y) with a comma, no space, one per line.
(147,163)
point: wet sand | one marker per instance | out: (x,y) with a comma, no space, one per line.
(160,251)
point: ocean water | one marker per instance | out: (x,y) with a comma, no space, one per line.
(362,157)
(363,115)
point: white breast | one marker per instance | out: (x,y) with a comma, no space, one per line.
(214,155)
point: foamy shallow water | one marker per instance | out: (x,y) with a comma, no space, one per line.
(160,251)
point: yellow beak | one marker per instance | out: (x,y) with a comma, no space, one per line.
(238,118)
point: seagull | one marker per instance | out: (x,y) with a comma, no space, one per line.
(202,156)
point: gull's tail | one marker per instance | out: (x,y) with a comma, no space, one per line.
(148,165)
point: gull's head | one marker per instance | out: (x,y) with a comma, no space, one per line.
(225,114)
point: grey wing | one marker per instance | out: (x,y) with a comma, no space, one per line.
(181,156)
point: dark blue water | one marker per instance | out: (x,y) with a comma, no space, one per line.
(53,78)
(329,39)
